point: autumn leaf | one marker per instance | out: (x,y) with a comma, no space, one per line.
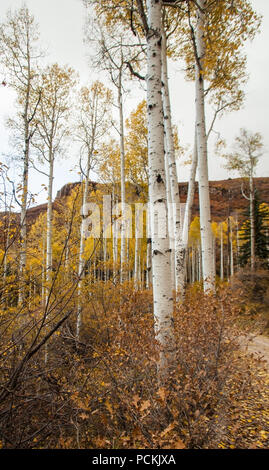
(162,393)
(179,444)
(145,405)
(135,400)
(109,407)
(168,429)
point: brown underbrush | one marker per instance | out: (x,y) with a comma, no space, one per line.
(103,391)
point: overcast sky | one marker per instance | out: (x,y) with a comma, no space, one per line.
(61,29)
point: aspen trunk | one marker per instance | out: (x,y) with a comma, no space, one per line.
(200,264)
(122,165)
(23,232)
(81,262)
(171,174)
(149,268)
(105,257)
(136,260)
(49,225)
(231,249)
(115,242)
(192,264)
(252,224)
(4,261)
(171,227)
(43,272)
(143,275)
(237,243)
(214,254)
(149,253)
(221,253)
(27,137)
(204,200)
(162,292)
(186,225)
(128,259)
(49,240)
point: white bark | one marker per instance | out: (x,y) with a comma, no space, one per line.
(136,260)
(49,240)
(214,253)
(149,265)
(171,174)
(23,230)
(49,225)
(237,243)
(204,200)
(186,226)
(115,240)
(5,260)
(122,165)
(200,263)
(43,271)
(221,253)
(252,224)
(171,227)
(231,249)
(105,258)
(81,262)
(162,292)
(192,264)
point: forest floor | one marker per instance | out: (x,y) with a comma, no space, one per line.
(257,345)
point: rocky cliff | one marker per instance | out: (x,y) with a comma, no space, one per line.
(225,195)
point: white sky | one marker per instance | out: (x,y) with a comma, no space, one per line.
(61,30)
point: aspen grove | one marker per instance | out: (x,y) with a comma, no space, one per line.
(126,299)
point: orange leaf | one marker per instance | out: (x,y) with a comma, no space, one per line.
(168,429)
(179,444)
(162,393)
(135,400)
(145,405)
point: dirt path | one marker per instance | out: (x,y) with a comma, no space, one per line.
(257,345)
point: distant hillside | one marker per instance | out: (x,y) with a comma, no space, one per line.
(225,195)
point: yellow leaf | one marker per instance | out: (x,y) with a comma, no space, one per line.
(109,407)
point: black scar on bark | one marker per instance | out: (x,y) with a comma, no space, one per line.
(157,252)
(159,179)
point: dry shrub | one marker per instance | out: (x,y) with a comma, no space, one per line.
(104,392)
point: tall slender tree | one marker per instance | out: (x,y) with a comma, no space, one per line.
(93,123)
(161,272)
(248,149)
(20,54)
(52,128)
(260,216)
